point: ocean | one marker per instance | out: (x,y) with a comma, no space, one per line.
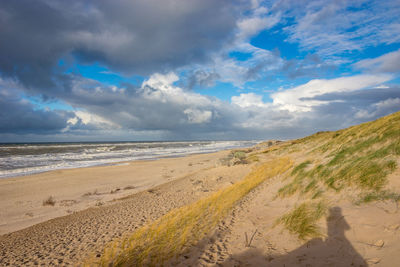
(30,158)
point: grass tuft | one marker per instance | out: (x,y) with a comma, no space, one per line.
(301,221)
(50,201)
(300,168)
(378,196)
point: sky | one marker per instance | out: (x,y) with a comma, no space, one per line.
(100,70)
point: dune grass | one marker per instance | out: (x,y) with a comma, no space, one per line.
(175,232)
(360,156)
(378,196)
(301,221)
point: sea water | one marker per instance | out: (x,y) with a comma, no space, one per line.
(29,158)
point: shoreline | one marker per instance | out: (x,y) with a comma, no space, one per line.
(28,161)
(116,163)
(76,189)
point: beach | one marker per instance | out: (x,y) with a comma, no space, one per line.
(94,209)
(94,205)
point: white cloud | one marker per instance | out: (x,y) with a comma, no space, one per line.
(248,100)
(389,62)
(335,27)
(161,81)
(251,26)
(258,21)
(390,33)
(90,119)
(160,87)
(238,72)
(299,98)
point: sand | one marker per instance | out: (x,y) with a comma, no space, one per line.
(86,226)
(22,198)
(93,213)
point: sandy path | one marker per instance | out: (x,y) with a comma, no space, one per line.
(67,240)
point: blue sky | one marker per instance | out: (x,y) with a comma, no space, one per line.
(184,70)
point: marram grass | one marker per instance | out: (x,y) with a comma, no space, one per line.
(361,156)
(301,221)
(181,228)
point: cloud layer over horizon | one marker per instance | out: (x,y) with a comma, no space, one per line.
(209,70)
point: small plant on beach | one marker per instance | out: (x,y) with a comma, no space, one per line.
(50,201)
(235,157)
(301,221)
(239,157)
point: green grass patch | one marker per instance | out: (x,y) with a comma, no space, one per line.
(378,196)
(301,221)
(360,156)
(300,168)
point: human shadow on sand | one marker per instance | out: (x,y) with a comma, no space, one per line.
(335,250)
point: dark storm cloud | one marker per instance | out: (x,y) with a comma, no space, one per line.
(139,37)
(21,117)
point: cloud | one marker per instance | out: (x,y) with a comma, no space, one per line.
(238,72)
(312,66)
(389,62)
(248,100)
(202,78)
(380,108)
(302,98)
(251,26)
(133,37)
(19,116)
(337,27)
(159,109)
(92,121)
(198,116)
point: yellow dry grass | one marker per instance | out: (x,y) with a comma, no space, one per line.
(181,228)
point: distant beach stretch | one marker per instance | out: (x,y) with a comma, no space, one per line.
(30,158)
